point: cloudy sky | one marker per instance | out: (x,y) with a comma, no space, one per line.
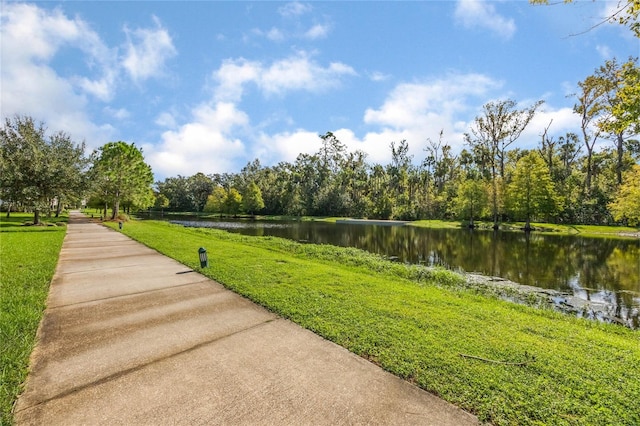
(206,86)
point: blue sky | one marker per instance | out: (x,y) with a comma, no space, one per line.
(206,86)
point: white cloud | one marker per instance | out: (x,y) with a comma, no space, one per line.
(563,121)
(120,113)
(378,76)
(604,51)
(411,103)
(232,75)
(295,73)
(418,111)
(294,9)
(147,50)
(482,14)
(30,86)
(167,120)
(274,34)
(285,146)
(207,144)
(317,31)
(377,144)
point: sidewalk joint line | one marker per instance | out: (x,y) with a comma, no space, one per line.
(131,294)
(128,371)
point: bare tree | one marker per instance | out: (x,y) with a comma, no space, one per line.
(499,126)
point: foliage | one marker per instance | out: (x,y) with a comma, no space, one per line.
(119,175)
(215,201)
(252,200)
(24,285)
(626,203)
(497,128)
(416,322)
(531,193)
(161,201)
(471,200)
(626,13)
(35,170)
(233,202)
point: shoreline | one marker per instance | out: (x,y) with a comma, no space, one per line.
(561,301)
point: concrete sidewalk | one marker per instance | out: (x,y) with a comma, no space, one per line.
(133,337)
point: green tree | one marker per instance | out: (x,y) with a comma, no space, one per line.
(215,201)
(472,200)
(199,188)
(233,202)
(626,203)
(621,105)
(161,202)
(121,175)
(176,189)
(36,170)
(499,126)
(531,192)
(68,165)
(252,200)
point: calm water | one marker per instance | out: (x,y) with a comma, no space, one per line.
(595,269)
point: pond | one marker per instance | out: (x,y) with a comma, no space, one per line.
(604,272)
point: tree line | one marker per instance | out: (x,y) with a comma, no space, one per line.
(41,173)
(565,179)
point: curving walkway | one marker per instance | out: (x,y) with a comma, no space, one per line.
(133,337)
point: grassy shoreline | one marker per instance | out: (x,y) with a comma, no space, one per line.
(29,257)
(541,227)
(421,325)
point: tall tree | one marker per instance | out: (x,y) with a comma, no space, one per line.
(200,187)
(626,203)
(499,126)
(590,107)
(471,200)
(252,199)
(216,201)
(233,202)
(120,174)
(621,117)
(531,192)
(35,169)
(68,166)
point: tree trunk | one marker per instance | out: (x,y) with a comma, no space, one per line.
(589,172)
(59,207)
(620,143)
(36,217)
(116,209)
(495,205)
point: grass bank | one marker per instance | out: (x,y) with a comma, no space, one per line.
(582,230)
(507,363)
(29,255)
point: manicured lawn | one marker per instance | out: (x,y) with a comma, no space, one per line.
(28,257)
(423,326)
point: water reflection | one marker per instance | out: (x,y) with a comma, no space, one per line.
(599,270)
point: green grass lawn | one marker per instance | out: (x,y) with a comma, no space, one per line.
(422,326)
(28,257)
